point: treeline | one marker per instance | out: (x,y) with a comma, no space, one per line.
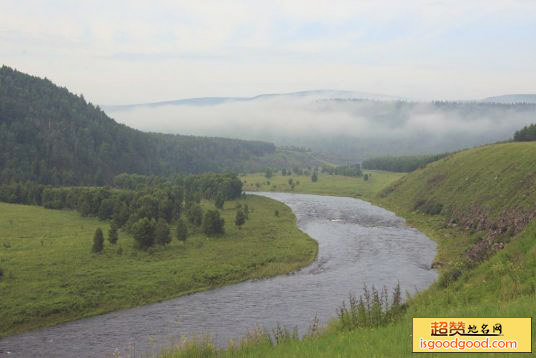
(137,207)
(51,136)
(527,134)
(352,170)
(401,164)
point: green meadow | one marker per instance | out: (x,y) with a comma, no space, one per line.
(326,185)
(50,275)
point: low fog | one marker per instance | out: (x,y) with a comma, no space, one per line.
(353,129)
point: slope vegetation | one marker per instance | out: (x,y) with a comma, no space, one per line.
(52,136)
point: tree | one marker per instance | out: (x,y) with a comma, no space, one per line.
(246,211)
(195,215)
(120,215)
(98,241)
(240,218)
(268,173)
(143,232)
(112,233)
(106,209)
(165,209)
(365,177)
(161,232)
(182,230)
(314,177)
(283,171)
(220,200)
(212,223)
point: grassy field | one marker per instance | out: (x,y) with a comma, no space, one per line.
(326,185)
(50,276)
(499,180)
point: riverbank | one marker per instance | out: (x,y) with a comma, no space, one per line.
(460,202)
(50,276)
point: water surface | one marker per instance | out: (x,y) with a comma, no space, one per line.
(358,244)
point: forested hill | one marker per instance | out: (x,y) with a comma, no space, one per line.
(51,136)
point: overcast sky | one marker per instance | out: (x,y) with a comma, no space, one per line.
(119,52)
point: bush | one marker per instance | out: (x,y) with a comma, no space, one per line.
(212,223)
(98,241)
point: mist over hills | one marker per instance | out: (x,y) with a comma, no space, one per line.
(211,101)
(343,126)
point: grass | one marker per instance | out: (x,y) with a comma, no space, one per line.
(50,276)
(491,185)
(326,185)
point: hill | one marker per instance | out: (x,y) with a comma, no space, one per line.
(490,188)
(512,98)
(52,136)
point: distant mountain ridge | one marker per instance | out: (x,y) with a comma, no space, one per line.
(211,101)
(512,98)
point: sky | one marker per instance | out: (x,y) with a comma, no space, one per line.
(122,52)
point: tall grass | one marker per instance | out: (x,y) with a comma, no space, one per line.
(370,309)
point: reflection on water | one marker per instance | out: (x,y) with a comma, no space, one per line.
(358,244)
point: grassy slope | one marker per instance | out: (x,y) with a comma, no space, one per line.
(50,276)
(326,184)
(494,178)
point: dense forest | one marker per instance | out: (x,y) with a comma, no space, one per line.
(51,136)
(526,134)
(403,164)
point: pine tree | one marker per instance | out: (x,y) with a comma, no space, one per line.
(161,233)
(182,230)
(112,233)
(240,218)
(246,211)
(98,241)
(220,200)
(143,232)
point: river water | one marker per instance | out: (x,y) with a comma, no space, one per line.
(358,244)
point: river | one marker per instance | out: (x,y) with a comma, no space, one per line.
(359,244)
